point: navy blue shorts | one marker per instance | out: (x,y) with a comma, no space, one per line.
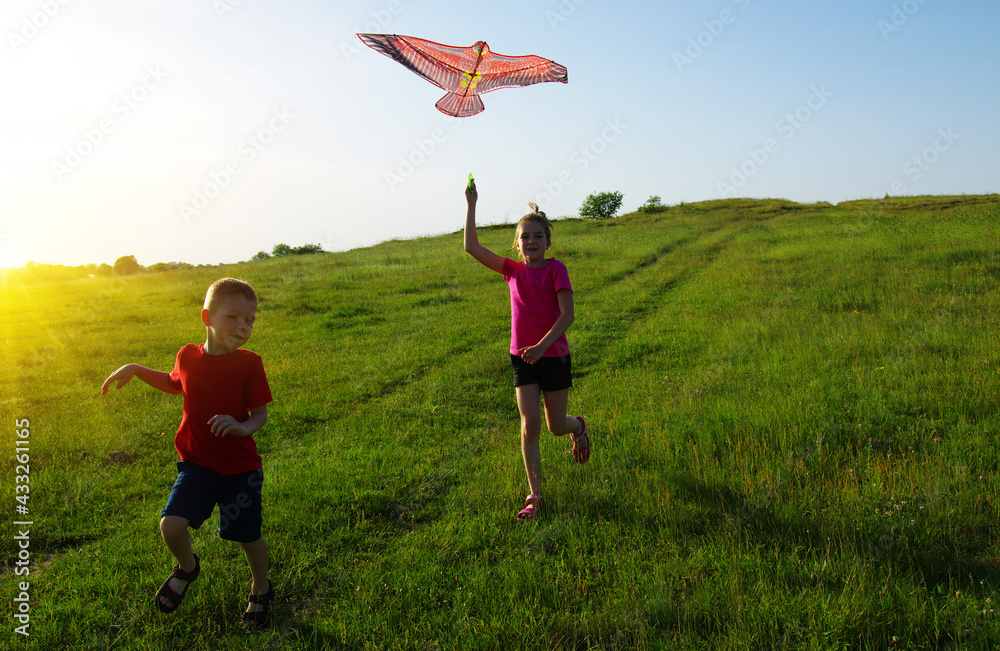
(549,373)
(198,489)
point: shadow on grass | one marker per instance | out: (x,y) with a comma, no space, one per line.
(937,558)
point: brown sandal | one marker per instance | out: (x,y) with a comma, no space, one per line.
(259,619)
(166,591)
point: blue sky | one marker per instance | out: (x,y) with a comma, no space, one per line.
(206,130)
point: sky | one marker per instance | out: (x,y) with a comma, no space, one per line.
(204,131)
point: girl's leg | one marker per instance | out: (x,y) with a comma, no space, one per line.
(559,423)
(256,553)
(555,414)
(528,397)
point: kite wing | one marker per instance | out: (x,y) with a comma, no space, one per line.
(464,72)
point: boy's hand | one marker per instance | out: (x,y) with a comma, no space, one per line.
(470,193)
(224,424)
(123,375)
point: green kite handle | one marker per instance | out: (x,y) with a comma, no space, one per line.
(470,180)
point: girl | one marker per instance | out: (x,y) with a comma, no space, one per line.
(541,304)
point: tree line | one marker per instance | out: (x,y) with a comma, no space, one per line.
(127,265)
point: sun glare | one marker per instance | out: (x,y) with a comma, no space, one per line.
(8,252)
(9,262)
(12,288)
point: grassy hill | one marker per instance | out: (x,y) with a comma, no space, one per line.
(793,412)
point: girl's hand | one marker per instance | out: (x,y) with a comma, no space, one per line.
(225,424)
(122,375)
(532,354)
(470,193)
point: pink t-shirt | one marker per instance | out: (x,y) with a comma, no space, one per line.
(534,307)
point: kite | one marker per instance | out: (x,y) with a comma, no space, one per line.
(465,72)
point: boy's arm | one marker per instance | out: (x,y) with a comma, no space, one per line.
(156,379)
(488,258)
(224,424)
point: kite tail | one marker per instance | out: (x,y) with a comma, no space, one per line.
(460,106)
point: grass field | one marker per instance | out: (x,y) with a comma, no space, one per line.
(794,417)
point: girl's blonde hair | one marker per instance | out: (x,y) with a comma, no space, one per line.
(536,216)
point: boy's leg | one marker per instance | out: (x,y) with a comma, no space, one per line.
(174,530)
(256,554)
(531,427)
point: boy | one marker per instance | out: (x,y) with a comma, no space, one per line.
(225,403)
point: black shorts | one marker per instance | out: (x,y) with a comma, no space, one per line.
(197,490)
(549,373)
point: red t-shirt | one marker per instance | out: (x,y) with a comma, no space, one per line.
(229,384)
(534,307)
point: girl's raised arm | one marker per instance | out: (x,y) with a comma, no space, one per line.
(486,257)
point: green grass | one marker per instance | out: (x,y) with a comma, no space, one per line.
(794,417)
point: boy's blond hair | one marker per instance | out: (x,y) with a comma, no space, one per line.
(536,216)
(224,287)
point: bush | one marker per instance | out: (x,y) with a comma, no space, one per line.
(307,248)
(653,204)
(284,249)
(601,205)
(127,265)
(169,266)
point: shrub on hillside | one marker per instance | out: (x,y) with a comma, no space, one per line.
(306,249)
(653,204)
(601,205)
(283,249)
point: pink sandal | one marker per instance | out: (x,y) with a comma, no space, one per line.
(532,508)
(581,452)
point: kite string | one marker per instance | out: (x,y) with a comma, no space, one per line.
(474,136)
(470,136)
(474,131)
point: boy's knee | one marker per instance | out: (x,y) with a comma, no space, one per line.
(259,543)
(173,525)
